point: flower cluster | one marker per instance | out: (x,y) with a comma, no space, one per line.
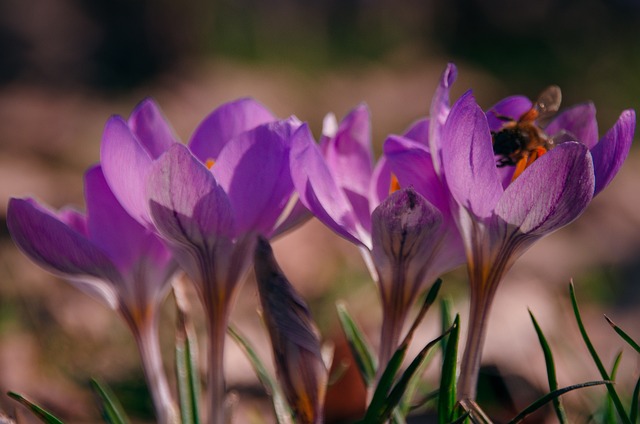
(441,195)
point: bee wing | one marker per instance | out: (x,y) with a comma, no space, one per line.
(560,137)
(548,102)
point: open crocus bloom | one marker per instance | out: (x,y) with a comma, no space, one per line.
(208,201)
(339,184)
(500,217)
(111,257)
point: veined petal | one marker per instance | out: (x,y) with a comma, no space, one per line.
(609,154)
(294,339)
(187,205)
(468,159)
(253,169)
(320,193)
(403,229)
(419,131)
(349,155)
(380,183)
(511,107)
(579,122)
(225,123)
(109,225)
(438,114)
(551,193)
(125,164)
(412,164)
(151,128)
(61,250)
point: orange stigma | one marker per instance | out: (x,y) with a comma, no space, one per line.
(395,184)
(209,163)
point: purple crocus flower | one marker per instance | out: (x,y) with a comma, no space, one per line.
(500,217)
(339,184)
(110,256)
(208,201)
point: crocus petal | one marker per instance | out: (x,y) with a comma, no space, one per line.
(224,123)
(134,249)
(412,164)
(468,159)
(253,169)
(319,191)
(125,164)
(439,112)
(419,131)
(104,216)
(402,229)
(61,250)
(511,107)
(380,183)
(187,204)
(579,123)
(151,128)
(294,339)
(609,154)
(551,193)
(349,156)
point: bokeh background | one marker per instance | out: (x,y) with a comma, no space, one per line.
(67,65)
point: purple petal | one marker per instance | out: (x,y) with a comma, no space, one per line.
(188,206)
(405,235)
(253,169)
(225,123)
(380,183)
(609,154)
(468,160)
(110,227)
(511,107)
(319,191)
(579,122)
(412,164)
(61,250)
(151,128)
(419,131)
(125,164)
(349,153)
(551,193)
(438,113)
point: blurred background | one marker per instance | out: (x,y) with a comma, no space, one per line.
(67,65)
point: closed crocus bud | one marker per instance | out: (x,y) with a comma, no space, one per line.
(294,339)
(406,234)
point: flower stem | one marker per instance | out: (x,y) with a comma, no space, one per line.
(216,386)
(150,354)
(471,359)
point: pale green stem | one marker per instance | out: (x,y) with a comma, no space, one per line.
(150,353)
(216,385)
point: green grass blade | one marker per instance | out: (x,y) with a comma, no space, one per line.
(43,415)
(378,401)
(549,398)
(399,389)
(603,372)
(111,408)
(610,410)
(624,335)
(633,415)
(447,397)
(551,370)
(280,405)
(362,352)
(187,376)
(446,321)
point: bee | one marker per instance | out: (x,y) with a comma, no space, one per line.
(520,142)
